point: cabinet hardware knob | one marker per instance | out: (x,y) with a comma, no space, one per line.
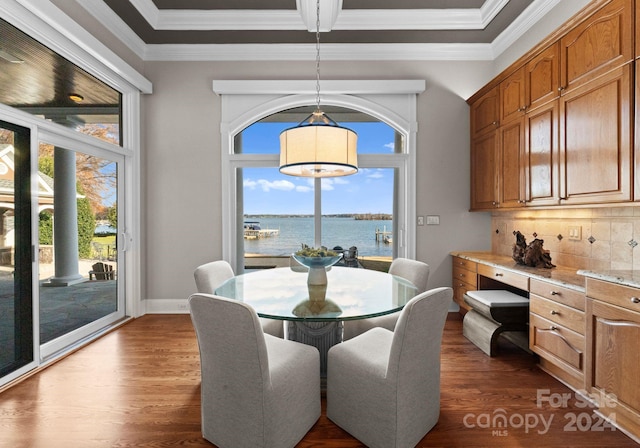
(460,275)
(554,312)
(498,274)
(561,88)
(635,300)
(555,293)
(461,284)
(553,328)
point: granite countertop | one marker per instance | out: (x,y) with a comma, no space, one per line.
(562,276)
(626,278)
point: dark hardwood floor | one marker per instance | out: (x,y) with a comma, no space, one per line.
(139,387)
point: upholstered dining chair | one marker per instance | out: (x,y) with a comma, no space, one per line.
(211,275)
(383,387)
(257,390)
(416,272)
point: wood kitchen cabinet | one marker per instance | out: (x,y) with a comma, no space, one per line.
(598,44)
(484,171)
(464,279)
(512,97)
(556,330)
(541,156)
(595,140)
(511,154)
(613,351)
(542,77)
(485,113)
(564,119)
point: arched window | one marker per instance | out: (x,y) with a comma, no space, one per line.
(270,215)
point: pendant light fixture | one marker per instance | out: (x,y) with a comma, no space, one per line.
(318,146)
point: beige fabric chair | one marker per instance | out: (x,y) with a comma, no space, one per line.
(257,390)
(383,387)
(416,272)
(211,275)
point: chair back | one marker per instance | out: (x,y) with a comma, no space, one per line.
(233,358)
(211,275)
(414,359)
(415,271)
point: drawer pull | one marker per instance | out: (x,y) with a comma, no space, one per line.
(555,293)
(498,274)
(635,300)
(554,313)
(461,284)
(553,328)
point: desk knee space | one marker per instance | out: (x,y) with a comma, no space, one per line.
(492,313)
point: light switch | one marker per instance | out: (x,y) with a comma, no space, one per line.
(433,220)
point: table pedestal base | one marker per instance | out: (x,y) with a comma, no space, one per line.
(322,335)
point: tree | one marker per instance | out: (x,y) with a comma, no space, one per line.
(45,228)
(112,216)
(86,227)
(96,175)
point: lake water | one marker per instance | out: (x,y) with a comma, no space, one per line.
(344,232)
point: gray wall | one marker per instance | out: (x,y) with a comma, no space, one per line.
(182,205)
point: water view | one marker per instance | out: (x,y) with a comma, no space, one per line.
(344,232)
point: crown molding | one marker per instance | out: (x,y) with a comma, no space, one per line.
(307,52)
(332,17)
(105,15)
(528,18)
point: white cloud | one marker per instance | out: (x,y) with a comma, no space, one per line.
(267,185)
(378,174)
(303,188)
(391,146)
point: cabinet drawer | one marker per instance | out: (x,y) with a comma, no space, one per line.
(459,290)
(614,294)
(463,275)
(465,264)
(556,343)
(504,276)
(557,313)
(558,294)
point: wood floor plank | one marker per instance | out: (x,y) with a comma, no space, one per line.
(139,386)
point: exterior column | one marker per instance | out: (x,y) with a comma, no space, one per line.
(65,223)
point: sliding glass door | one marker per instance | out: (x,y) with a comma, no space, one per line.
(16,301)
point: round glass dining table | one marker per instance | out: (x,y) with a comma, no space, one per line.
(350,293)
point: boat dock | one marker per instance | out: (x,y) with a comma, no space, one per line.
(253,231)
(384,236)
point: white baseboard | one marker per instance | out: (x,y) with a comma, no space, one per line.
(165,306)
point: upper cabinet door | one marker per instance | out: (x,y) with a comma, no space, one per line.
(601,43)
(543,77)
(484,172)
(541,162)
(512,97)
(595,140)
(484,113)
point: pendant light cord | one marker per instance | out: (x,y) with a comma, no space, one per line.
(318,56)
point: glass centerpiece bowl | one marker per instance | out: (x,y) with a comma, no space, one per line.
(317,260)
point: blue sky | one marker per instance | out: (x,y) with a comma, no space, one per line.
(266,191)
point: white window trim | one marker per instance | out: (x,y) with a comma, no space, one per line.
(392,101)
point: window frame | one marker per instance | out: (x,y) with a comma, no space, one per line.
(245,102)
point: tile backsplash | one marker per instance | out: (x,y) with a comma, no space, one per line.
(609,238)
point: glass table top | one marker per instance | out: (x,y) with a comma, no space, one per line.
(350,293)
